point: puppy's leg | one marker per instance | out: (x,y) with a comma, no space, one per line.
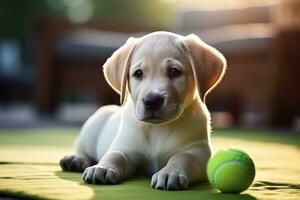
(113,167)
(182,169)
(75,163)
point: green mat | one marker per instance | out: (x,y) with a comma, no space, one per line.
(29,169)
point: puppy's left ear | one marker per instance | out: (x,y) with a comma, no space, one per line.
(208,64)
(116,68)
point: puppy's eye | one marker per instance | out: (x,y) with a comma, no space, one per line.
(173,73)
(138,74)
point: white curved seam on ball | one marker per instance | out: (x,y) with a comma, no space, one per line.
(215,172)
(231,151)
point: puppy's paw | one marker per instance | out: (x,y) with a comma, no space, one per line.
(74,163)
(101,175)
(169,181)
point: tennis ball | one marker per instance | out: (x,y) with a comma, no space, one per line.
(231,170)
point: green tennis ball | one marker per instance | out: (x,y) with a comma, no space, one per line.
(231,170)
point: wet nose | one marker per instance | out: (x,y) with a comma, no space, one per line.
(153,102)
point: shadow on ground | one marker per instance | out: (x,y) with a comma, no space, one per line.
(139,188)
(267,185)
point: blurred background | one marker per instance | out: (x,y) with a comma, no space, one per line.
(51,53)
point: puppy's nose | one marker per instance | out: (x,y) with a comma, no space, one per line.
(153,101)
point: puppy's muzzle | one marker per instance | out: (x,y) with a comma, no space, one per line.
(153,102)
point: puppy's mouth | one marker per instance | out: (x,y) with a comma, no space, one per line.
(152,118)
(159,116)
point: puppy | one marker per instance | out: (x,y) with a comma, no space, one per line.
(163,127)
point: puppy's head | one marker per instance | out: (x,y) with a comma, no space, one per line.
(163,73)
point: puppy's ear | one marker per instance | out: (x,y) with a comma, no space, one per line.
(208,64)
(116,68)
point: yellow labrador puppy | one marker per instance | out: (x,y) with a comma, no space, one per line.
(163,127)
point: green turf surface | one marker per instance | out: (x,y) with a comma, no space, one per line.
(29,169)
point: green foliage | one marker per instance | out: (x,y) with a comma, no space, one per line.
(17,18)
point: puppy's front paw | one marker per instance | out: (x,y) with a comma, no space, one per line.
(74,163)
(169,181)
(101,175)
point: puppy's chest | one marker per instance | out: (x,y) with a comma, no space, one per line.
(160,146)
